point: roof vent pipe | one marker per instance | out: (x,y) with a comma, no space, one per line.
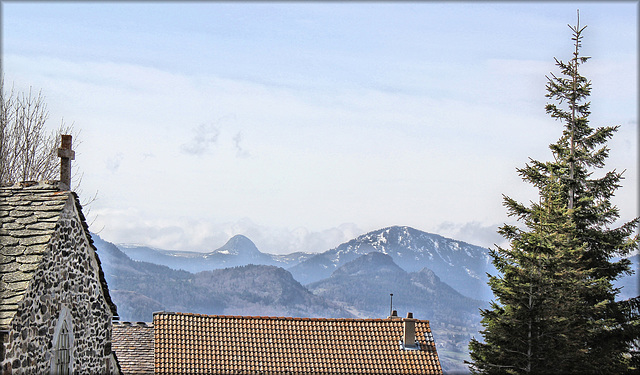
(409,336)
(66,154)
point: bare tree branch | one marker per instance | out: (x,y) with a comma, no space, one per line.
(28,148)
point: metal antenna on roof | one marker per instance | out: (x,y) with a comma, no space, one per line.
(391,307)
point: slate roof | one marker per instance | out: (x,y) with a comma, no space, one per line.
(28,215)
(193,343)
(133,345)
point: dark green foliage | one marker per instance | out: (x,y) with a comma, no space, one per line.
(555,308)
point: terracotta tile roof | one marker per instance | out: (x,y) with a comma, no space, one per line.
(193,343)
(29,212)
(133,345)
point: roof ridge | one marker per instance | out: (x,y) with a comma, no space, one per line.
(132,324)
(257,317)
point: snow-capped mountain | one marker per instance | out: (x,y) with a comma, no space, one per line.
(459,264)
(238,251)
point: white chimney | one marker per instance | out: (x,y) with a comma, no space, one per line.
(409,336)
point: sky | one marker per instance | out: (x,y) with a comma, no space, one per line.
(304,125)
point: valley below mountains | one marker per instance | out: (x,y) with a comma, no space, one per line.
(436,278)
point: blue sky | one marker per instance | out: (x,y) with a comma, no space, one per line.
(303,125)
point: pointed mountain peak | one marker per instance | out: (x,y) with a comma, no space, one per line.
(238,245)
(240,240)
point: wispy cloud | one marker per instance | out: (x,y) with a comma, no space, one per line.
(113,163)
(204,137)
(240,151)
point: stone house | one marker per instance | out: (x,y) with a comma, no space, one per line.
(55,309)
(214,344)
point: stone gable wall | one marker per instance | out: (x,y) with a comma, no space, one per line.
(67,276)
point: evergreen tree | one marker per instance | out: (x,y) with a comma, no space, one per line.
(555,308)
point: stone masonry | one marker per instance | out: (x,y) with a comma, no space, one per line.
(49,269)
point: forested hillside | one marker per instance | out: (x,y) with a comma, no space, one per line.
(140,288)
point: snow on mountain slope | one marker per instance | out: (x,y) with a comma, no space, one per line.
(461,265)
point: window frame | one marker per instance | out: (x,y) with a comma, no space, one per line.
(63,344)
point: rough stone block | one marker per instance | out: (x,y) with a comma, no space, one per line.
(28,233)
(19,213)
(8,267)
(27,220)
(8,241)
(28,267)
(35,240)
(16,276)
(41,226)
(36,249)
(12,226)
(4,259)
(18,286)
(13,249)
(12,300)
(28,259)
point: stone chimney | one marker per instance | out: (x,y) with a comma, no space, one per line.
(409,336)
(66,154)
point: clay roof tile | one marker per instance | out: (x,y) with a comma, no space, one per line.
(274,344)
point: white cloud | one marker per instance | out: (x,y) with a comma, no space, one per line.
(371,131)
(371,157)
(203,138)
(475,233)
(186,233)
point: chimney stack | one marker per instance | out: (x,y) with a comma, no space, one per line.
(409,336)
(66,154)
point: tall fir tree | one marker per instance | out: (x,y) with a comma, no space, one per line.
(555,308)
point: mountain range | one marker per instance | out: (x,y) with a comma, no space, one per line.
(461,265)
(358,286)
(238,251)
(140,288)
(436,278)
